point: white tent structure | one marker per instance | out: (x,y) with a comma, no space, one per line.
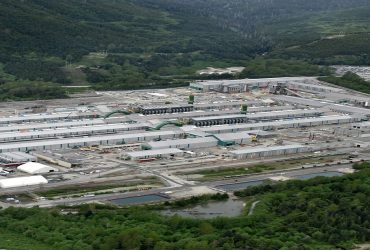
(36,168)
(22,181)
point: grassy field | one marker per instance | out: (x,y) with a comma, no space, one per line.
(215,174)
(102,188)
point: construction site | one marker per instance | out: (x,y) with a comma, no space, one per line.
(154,145)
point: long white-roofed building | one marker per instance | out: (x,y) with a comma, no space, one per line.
(190,143)
(22,181)
(116,139)
(155,153)
(258,152)
(36,168)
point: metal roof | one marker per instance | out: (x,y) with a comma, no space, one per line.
(233,136)
(263,114)
(276,123)
(91,139)
(60,124)
(22,181)
(168,143)
(265,149)
(74,130)
(37,117)
(154,152)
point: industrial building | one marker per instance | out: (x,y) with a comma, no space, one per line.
(16,157)
(315,88)
(201,113)
(70,132)
(274,115)
(244,85)
(36,168)
(227,105)
(156,153)
(22,181)
(233,138)
(57,144)
(47,117)
(190,143)
(259,152)
(296,123)
(50,125)
(305,102)
(166,109)
(60,160)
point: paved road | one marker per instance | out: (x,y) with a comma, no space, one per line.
(255,177)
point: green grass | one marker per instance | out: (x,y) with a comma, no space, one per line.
(77,190)
(214,174)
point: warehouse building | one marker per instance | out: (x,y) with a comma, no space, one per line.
(315,88)
(64,160)
(233,138)
(296,123)
(240,118)
(227,105)
(361,125)
(166,109)
(22,181)
(300,101)
(200,113)
(190,143)
(259,152)
(50,125)
(89,141)
(156,153)
(36,168)
(243,85)
(350,110)
(70,132)
(16,157)
(47,117)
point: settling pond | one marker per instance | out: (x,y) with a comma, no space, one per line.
(212,209)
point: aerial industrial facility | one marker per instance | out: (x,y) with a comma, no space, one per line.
(146,140)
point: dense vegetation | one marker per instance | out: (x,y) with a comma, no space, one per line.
(125,44)
(321,213)
(30,90)
(349,80)
(261,68)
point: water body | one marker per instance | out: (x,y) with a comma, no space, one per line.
(240,185)
(227,208)
(139,200)
(325,174)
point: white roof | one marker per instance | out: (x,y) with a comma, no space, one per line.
(154,152)
(36,117)
(276,123)
(265,149)
(233,136)
(91,139)
(22,181)
(49,125)
(36,168)
(74,130)
(169,143)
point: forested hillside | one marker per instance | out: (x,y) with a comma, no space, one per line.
(321,213)
(126,44)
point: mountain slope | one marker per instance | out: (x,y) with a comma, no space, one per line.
(125,44)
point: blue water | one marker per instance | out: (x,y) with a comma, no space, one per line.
(139,200)
(240,185)
(325,174)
